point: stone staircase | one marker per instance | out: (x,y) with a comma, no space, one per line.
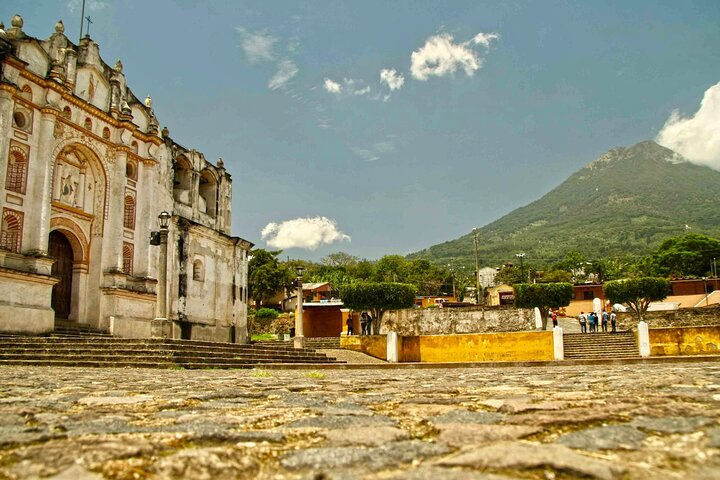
(84,350)
(600,345)
(322,342)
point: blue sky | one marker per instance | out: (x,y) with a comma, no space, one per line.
(383,127)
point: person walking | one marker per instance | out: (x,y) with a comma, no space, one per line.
(604,321)
(591,321)
(363,323)
(369,323)
(554,319)
(582,319)
(613,321)
(349,323)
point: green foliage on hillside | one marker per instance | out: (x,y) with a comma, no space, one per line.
(622,205)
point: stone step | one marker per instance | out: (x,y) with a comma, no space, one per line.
(90,350)
(600,345)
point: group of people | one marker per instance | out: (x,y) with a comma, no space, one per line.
(365,324)
(596,321)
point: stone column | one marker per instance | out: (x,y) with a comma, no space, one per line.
(392,347)
(643,339)
(345,312)
(145,218)
(558,345)
(37,221)
(113,234)
(299,340)
(6,114)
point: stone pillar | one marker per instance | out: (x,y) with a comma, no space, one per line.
(392,347)
(6,115)
(113,235)
(37,221)
(145,218)
(558,345)
(643,339)
(299,340)
(538,318)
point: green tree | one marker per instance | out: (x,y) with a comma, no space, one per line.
(511,275)
(391,268)
(340,259)
(378,297)
(267,276)
(543,296)
(555,276)
(688,255)
(637,293)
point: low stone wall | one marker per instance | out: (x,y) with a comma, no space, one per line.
(483,347)
(684,341)
(440,321)
(373,345)
(684,317)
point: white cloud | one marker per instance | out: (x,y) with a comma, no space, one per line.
(697,138)
(258,46)
(90,6)
(307,233)
(391,78)
(332,87)
(286,71)
(440,56)
(366,154)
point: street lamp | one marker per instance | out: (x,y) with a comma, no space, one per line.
(299,339)
(160,238)
(521,256)
(477,267)
(706,292)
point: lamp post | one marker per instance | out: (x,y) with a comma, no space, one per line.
(521,256)
(477,267)
(706,292)
(299,339)
(160,238)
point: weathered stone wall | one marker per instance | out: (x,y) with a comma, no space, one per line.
(439,321)
(685,341)
(684,317)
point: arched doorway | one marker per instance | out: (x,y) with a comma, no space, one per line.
(60,249)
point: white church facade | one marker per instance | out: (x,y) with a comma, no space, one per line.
(85,174)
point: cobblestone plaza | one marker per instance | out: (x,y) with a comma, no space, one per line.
(560,421)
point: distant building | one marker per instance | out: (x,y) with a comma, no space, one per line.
(85,172)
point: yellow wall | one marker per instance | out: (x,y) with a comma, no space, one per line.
(480,347)
(374,345)
(684,341)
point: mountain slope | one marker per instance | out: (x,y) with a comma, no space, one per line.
(624,203)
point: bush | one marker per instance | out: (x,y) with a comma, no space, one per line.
(266,313)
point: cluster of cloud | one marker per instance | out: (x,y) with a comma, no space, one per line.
(348,86)
(441,56)
(438,57)
(306,233)
(697,138)
(261,46)
(90,6)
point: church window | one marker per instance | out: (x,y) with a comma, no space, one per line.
(129,217)
(127,258)
(208,192)
(11,230)
(19,120)
(26,92)
(16,170)
(106,133)
(88,123)
(67,113)
(131,170)
(198,271)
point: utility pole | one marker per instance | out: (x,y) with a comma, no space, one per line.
(521,256)
(477,267)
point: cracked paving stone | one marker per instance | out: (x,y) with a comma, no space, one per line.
(440,473)
(361,458)
(341,421)
(467,416)
(460,435)
(615,437)
(672,424)
(524,455)
(372,436)
(215,463)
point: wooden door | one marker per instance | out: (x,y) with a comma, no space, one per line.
(60,249)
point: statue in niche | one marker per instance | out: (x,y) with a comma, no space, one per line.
(69,189)
(91,88)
